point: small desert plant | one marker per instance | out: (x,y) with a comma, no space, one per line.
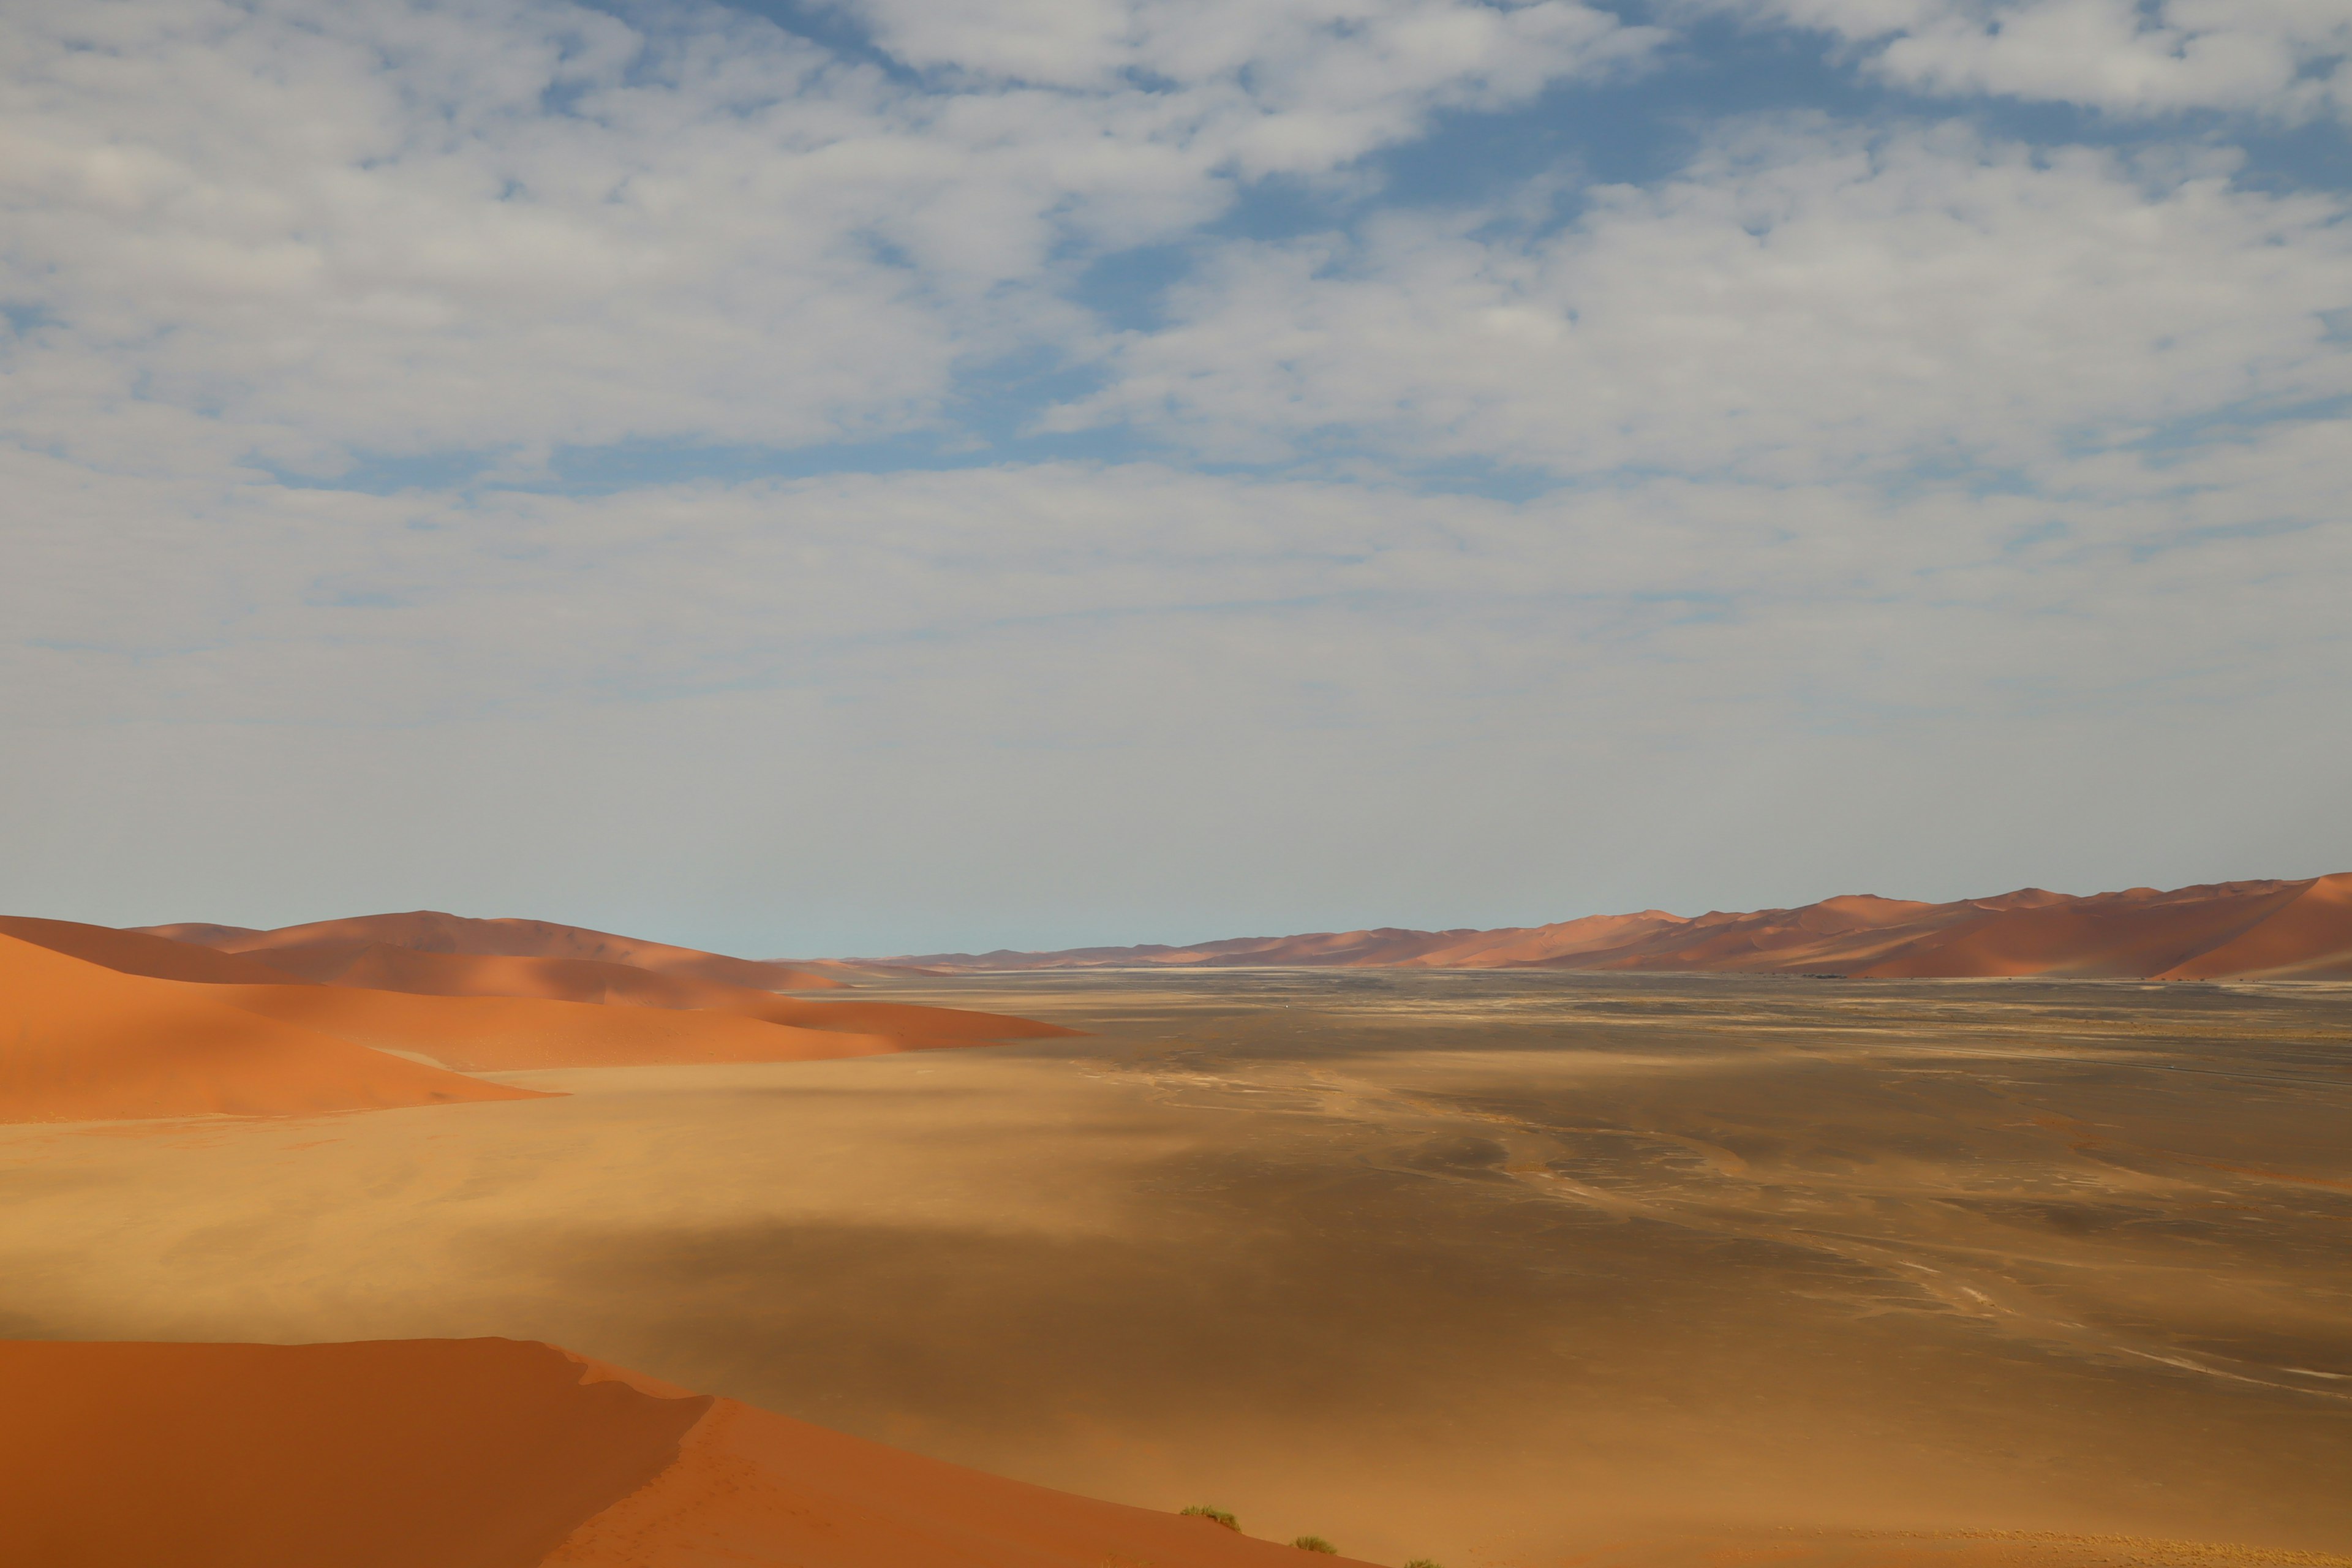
(1217,1514)
(1315,1543)
(1424,1563)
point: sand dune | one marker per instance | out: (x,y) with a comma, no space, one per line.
(379,967)
(428,931)
(496,1454)
(2283,929)
(376,966)
(455,1453)
(80,1042)
(139,952)
(512,1033)
(83,1042)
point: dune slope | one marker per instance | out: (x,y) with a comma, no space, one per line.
(2281,930)
(399,1454)
(429,930)
(139,952)
(379,967)
(497,1454)
(83,1042)
(506,1034)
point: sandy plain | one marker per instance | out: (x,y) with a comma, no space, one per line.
(1488,1268)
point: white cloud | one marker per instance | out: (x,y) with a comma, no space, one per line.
(1801,302)
(1877,506)
(302,229)
(1064,701)
(2280,58)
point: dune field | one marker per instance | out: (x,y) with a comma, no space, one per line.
(1487,1269)
(2269,929)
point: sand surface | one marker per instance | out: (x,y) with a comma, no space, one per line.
(491,1453)
(78,1041)
(104,1023)
(1492,1268)
(2258,929)
(465,1454)
(429,930)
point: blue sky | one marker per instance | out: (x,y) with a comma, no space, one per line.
(905,474)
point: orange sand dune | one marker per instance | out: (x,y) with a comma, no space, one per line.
(510,1034)
(204,933)
(497,1454)
(375,966)
(428,930)
(2293,930)
(139,952)
(83,1042)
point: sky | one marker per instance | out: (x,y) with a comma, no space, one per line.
(888,476)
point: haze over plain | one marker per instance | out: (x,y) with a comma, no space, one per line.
(899,477)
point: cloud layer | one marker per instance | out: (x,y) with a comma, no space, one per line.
(1912,503)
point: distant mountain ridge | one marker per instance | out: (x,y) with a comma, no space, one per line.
(2253,930)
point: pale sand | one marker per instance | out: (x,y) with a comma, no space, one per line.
(1491,1269)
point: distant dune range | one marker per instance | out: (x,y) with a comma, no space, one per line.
(97,1024)
(2271,930)
(322,945)
(205,1456)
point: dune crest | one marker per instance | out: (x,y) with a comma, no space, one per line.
(117,1025)
(2249,929)
(429,930)
(79,1042)
(141,952)
(498,1454)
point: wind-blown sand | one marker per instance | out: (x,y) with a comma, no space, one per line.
(2300,930)
(1506,1268)
(490,1453)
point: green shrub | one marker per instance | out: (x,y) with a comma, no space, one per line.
(1315,1543)
(1217,1514)
(1424,1563)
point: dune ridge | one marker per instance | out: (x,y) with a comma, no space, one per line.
(80,1042)
(432,932)
(103,1025)
(2249,929)
(495,1453)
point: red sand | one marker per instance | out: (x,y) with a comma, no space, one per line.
(399,1454)
(377,966)
(137,952)
(497,1454)
(505,1033)
(2296,930)
(428,930)
(123,1025)
(83,1042)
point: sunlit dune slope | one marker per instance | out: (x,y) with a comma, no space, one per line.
(204,933)
(428,931)
(2277,930)
(504,1033)
(477,1013)
(400,1454)
(79,1042)
(496,1454)
(2308,937)
(376,966)
(139,952)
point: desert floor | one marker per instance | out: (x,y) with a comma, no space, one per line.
(1489,1267)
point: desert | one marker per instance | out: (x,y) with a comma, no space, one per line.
(1175,784)
(1491,1268)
